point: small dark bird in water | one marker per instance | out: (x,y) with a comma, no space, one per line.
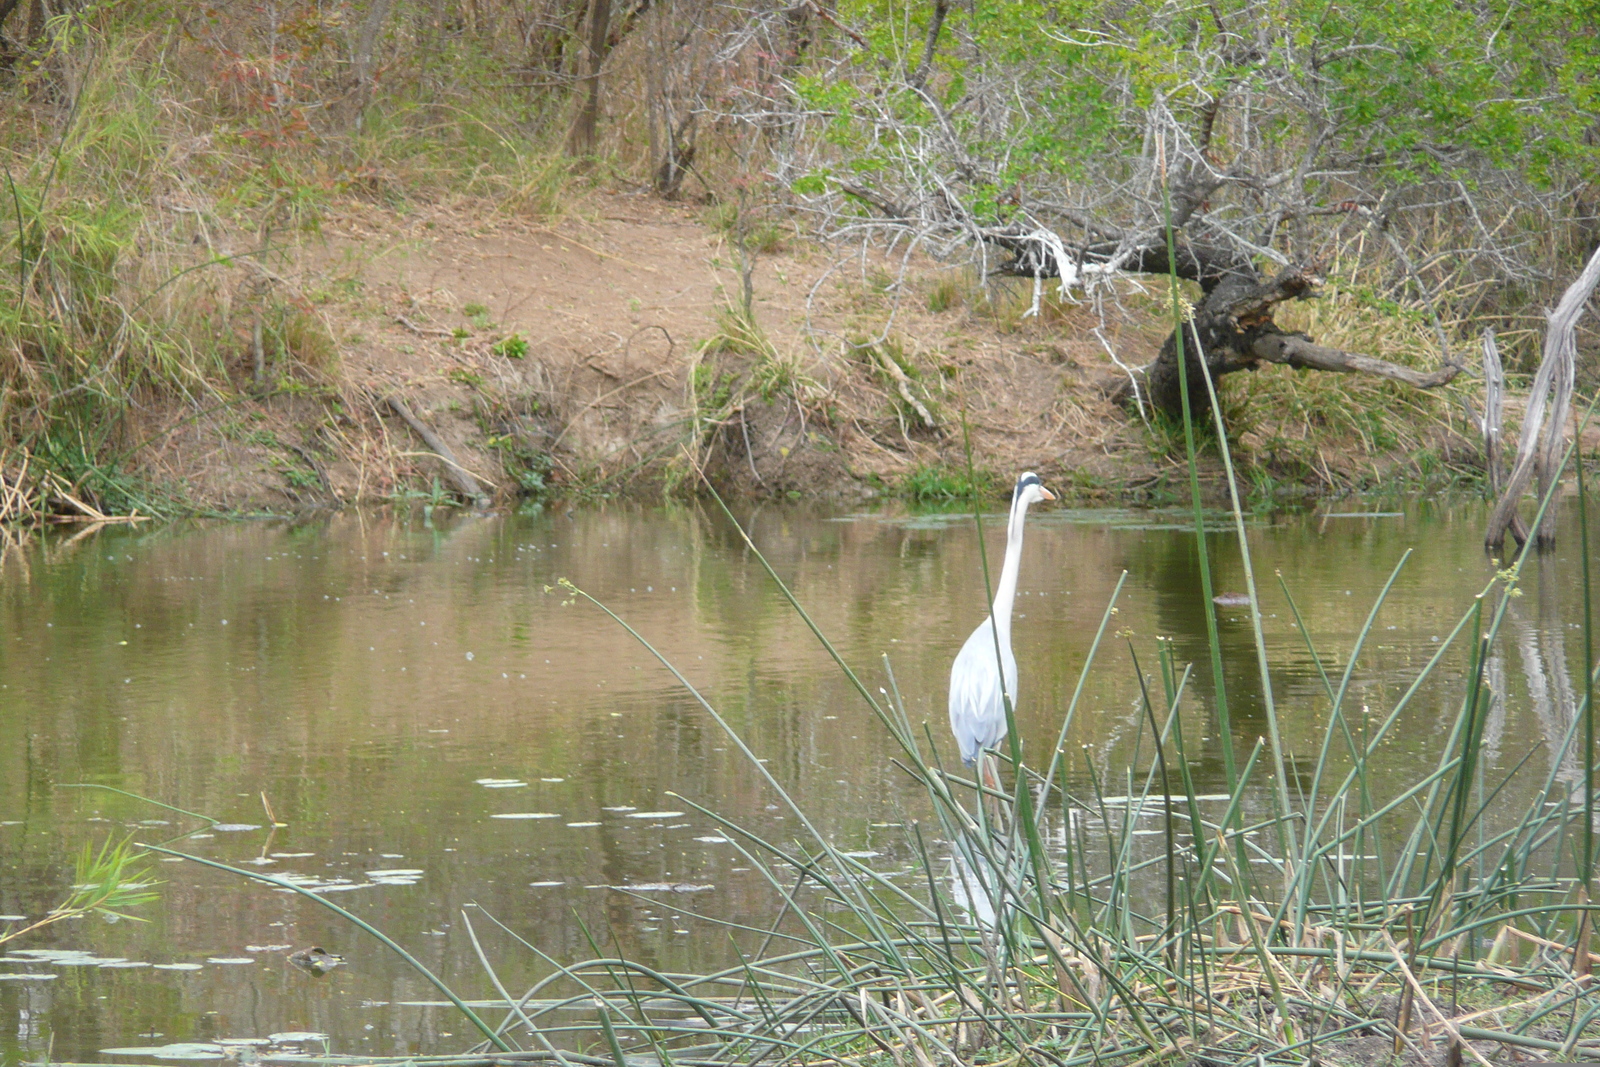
(316,961)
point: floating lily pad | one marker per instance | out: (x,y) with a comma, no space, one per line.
(61,957)
(183,1050)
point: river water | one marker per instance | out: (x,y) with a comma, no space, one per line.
(439,726)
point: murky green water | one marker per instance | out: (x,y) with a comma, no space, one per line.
(439,730)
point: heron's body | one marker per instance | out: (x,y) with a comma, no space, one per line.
(977,693)
(977,705)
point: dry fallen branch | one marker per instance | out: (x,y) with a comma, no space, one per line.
(463,479)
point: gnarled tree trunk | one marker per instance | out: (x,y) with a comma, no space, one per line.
(1232,326)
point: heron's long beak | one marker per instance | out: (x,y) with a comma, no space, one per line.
(1045,494)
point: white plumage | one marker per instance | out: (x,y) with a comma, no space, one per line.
(977,704)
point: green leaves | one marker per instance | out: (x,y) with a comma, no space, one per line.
(105,883)
(1382,94)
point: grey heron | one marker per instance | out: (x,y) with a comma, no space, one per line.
(977,706)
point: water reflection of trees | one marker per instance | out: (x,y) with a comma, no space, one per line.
(1168,566)
(1540,639)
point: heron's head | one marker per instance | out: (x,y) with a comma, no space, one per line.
(1030,490)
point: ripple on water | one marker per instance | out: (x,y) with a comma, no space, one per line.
(664,887)
(526,815)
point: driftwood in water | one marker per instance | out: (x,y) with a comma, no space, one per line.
(1232,324)
(1540,446)
(459,475)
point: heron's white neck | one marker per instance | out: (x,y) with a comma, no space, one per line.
(1005,594)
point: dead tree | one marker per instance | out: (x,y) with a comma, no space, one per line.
(1232,325)
(1540,446)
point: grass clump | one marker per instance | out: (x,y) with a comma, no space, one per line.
(946,294)
(512,346)
(746,228)
(938,483)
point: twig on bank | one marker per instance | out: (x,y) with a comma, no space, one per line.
(422,331)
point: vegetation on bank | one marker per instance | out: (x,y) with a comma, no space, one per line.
(166,168)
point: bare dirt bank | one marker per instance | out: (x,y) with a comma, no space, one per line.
(607,352)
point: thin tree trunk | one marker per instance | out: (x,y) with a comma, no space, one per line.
(38,15)
(581,137)
(1547,465)
(366,44)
